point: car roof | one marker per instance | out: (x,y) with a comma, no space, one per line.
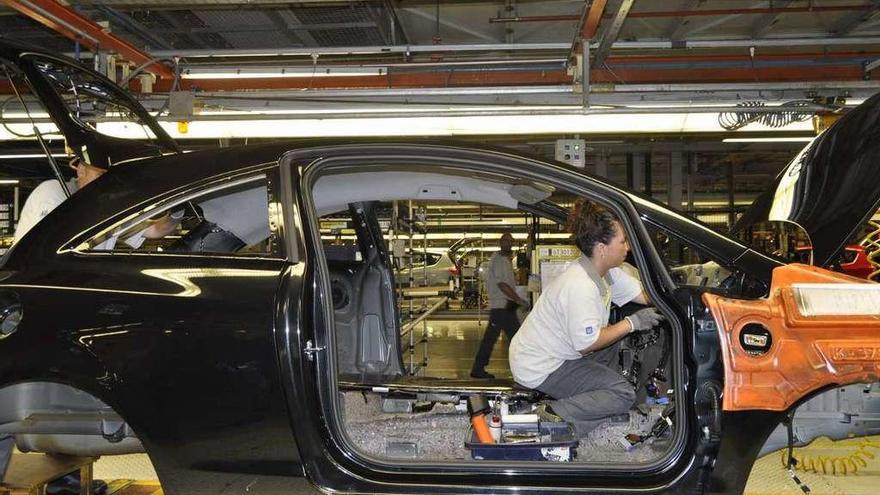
(140,182)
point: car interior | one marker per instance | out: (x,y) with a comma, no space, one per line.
(392,410)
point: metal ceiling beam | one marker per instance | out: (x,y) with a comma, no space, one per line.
(621,75)
(447,23)
(815,9)
(134,27)
(379,23)
(516,47)
(181,28)
(763,25)
(262,28)
(611,33)
(850,23)
(304,35)
(75,26)
(275,18)
(593,17)
(692,11)
(391,7)
(676,27)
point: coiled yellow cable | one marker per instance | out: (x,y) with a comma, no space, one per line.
(871,243)
(835,465)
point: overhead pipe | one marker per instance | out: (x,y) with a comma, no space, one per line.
(208,70)
(81,29)
(547,90)
(690,13)
(515,47)
(593,17)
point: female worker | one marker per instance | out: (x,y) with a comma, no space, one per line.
(566,347)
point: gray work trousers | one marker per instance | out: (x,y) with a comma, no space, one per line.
(589,390)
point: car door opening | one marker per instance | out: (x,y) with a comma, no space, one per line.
(400,402)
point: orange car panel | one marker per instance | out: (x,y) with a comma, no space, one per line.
(805,353)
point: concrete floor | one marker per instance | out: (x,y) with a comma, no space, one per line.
(451,347)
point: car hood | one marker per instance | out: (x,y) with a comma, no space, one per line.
(76,97)
(830,188)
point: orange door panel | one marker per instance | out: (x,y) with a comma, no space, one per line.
(816,328)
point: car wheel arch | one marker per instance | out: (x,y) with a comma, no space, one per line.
(46,415)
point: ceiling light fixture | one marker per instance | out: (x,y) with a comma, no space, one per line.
(31,155)
(403,124)
(270,73)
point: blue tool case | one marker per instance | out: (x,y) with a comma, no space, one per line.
(527,442)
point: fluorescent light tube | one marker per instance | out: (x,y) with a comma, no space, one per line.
(31,155)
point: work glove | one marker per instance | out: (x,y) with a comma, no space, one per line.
(644,319)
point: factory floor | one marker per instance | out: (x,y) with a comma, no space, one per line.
(451,346)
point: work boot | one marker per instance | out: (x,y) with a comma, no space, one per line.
(481,373)
(69,484)
(547,414)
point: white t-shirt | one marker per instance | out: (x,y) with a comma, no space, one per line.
(44,198)
(567,318)
(500,269)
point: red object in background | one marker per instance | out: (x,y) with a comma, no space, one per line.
(854,260)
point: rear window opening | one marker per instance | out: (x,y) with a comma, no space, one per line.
(404,337)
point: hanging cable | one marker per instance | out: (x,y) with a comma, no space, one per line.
(791,463)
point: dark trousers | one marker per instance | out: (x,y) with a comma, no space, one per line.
(499,319)
(589,390)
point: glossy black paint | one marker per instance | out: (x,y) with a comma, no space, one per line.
(203,357)
(334,468)
(832,187)
(215,384)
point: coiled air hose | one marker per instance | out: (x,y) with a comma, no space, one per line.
(809,461)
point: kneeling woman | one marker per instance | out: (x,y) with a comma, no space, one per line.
(565,348)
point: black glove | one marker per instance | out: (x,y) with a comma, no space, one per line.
(644,319)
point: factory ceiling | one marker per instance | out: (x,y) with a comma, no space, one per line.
(645,46)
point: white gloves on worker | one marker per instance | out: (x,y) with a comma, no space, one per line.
(644,319)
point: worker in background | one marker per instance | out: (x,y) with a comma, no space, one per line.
(566,347)
(49,194)
(503,301)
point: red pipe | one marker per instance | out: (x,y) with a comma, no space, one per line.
(620,75)
(594,15)
(75,26)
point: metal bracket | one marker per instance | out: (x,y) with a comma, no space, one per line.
(585,75)
(310,350)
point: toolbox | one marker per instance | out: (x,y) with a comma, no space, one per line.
(542,441)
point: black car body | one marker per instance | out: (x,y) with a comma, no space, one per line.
(229,366)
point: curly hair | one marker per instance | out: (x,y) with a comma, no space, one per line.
(590,224)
